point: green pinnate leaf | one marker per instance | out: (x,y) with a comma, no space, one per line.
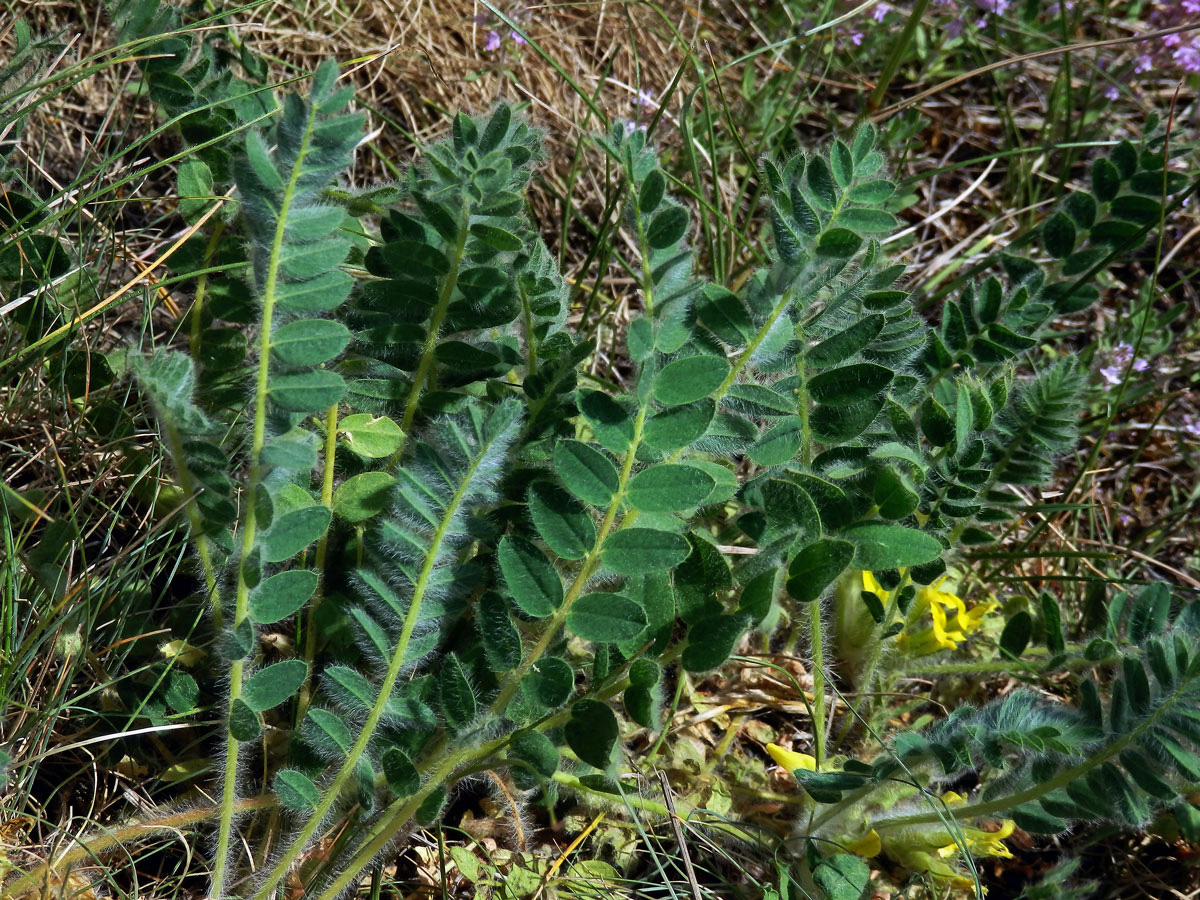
(363,496)
(780,444)
(645,672)
(194,183)
(640,551)
(651,192)
(455,693)
(711,640)
(894,494)
(838,243)
(592,732)
(1017,633)
(606,618)
(537,750)
(374,437)
(308,342)
(843,877)
(306,392)
(864,141)
(873,192)
(321,294)
(310,223)
(308,260)
(549,682)
(723,313)
(281,595)
(878,547)
(532,580)
(610,421)
(496,129)
(842,164)
(273,684)
(1134,208)
(501,640)
(667,227)
(1124,157)
(402,776)
(327,732)
(244,724)
(866,221)
(586,472)
(678,426)
(182,691)
(669,488)
(689,379)
(1106,180)
(496,237)
(849,384)
(847,342)
(565,526)
(292,532)
(821,189)
(296,790)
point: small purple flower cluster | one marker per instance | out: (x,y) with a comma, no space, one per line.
(1121,358)
(1180,50)
(493,41)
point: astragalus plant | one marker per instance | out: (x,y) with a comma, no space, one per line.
(492,562)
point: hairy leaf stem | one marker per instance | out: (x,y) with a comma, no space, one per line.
(333,790)
(249,525)
(1000,804)
(588,568)
(425,366)
(310,628)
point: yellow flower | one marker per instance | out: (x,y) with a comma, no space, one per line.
(791,760)
(936,850)
(872,585)
(866,846)
(951,620)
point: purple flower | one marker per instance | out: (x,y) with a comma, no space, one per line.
(1122,358)
(1191,7)
(1145,63)
(493,42)
(1188,57)
(856,38)
(646,100)
(882,9)
(996,7)
(1191,426)
(955,28)
(1111,92)
(1171,40)
(517,39)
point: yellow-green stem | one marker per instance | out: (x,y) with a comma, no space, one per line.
(214,241)
(425,366)
(249,525)
(588,568)
(817,646)
(333,790)
(310,629)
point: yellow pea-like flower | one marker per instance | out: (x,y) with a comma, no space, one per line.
(791,760)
